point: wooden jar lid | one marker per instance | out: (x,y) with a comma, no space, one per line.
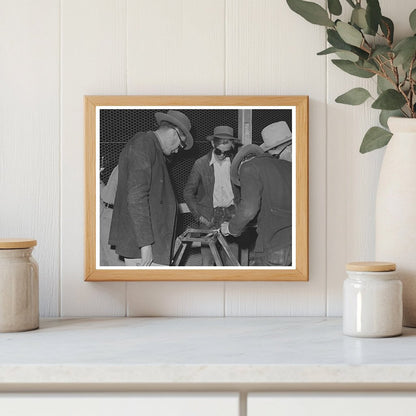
(371,266)
(11,243)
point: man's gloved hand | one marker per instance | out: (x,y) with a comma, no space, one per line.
(147,256)
(224,228)
(204,221)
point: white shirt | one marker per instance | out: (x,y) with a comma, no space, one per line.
(223,191)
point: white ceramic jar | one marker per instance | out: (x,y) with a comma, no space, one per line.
(19,286)
(372,300)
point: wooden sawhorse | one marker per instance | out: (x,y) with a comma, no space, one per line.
(206,237)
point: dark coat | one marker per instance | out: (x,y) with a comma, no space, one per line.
(145,205)
(199,189)
(266,190)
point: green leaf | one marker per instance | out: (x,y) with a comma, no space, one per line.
(358,18)
(311,12)
(373,15)
(349,34)
(387,27)
(389,100)
(352,68)
(336,41)
(375,138)
(405,50)
(327,51)
(370,65)
(334,7)
(412,20)
(381,50)
(386,114)
(355,96)
(347,55)
(383,84)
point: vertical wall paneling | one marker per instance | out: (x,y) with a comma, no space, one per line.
(55,52)
(175,47)
(175,299)
(93,61)
(272,51)
(29,135)
(352,178)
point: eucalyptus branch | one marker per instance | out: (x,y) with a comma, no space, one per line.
(395,71)
(390,64)
(377,55)
(366,43)
(386,61)
(406,97)
(386,37)
(384,73)
(370,70)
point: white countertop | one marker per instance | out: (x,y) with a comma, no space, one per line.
(204,351)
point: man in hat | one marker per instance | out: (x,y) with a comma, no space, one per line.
(144,215)
(208,192)
(277,139)
(266,192)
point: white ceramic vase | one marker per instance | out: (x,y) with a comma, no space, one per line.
(396,210)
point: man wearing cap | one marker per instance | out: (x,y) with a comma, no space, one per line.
(209,193)
(277,139)
(144,215)
(266,192)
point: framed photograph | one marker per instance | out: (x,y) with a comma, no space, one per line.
(196,188)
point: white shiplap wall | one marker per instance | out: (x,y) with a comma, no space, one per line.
(262,60)
(55,52)
(176,47)
(93,61)
(30,134)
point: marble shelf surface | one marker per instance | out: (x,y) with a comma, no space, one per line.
(163,351)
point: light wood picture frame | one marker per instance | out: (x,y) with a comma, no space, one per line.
(109,122)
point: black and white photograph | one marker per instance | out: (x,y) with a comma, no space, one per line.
(190,187)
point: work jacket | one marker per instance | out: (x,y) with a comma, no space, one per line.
(145,204)
(266,191)
(199,189)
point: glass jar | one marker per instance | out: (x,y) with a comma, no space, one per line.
(372,300)
(19,286)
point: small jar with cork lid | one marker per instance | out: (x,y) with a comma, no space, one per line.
(372,298)
(19,286)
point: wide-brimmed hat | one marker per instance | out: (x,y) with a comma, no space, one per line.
(180,120)
(223,132)
(275,134)
(244,152)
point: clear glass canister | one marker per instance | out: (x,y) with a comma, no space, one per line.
(372,300)
(19,286)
